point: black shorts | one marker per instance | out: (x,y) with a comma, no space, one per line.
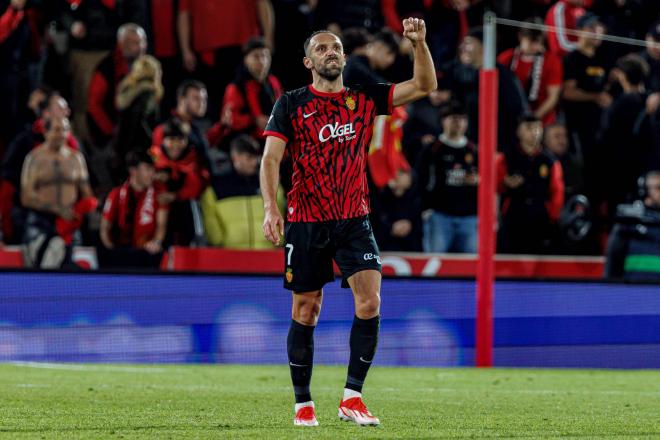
(310,248)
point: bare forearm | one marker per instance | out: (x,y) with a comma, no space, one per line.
(269,178)
(423,70)
(579,95)
(183,29)
(161,225)
(547,106)
(266,19)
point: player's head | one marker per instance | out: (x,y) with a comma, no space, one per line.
(555,139)
(530,132)
(56,131)
(454,119)
(175,140)
(257,58)
(140,169)
(324,55)
(531,40)
(192,98)
(245,155)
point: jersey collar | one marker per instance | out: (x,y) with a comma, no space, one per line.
(325,94)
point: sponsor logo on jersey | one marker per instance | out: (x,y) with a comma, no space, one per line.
(332,131)
(543,171)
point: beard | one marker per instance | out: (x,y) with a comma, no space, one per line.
(330,73)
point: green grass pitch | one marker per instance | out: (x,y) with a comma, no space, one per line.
(71,401)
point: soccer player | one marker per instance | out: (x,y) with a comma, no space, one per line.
(327,128)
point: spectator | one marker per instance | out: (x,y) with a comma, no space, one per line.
(424,124)
(539,72)
(367,56)
(532,186)
(555,141)
(447,172)
(461,78)
(91,26)
(626,140)
(250,98)
(191,104)
(180,180)
(138,98)
(633,249)
(55,189)
(584,98)
(163,40)
(214,31)
(652,57)
(336,15)
(232,205)
(563,16)
(395,210)
(14,50)
(134,222)
(101,109)
(12,213)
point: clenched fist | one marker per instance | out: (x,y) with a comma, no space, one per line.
(414,29)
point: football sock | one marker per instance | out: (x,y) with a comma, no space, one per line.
(364,338)
(300,347)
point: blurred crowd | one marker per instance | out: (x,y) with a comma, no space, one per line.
(134,125)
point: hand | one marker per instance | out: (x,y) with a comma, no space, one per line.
(165,198)
(401,228)
(261,122)
(153,246)
(226,117)
(78,30)
(273,225)
(18,4)
(65,212)
(514,181)
(414,29)
(604,99)
(428,139)
(189,60)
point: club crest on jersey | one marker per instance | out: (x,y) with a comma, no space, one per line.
(543,171)
(350,103)
(469,158)
(332,131)
(289,275)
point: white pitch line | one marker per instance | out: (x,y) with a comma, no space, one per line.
(78,367)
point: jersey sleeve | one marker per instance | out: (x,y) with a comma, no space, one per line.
(279,123)
(381,94)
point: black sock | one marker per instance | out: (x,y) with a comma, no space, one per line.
(364,338)
(300,346)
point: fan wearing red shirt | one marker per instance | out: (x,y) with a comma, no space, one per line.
(563,16)
(134,223)
(539,72)
(326,129)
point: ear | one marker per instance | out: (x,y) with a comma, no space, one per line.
(308,63)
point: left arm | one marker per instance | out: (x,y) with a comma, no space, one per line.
(554,92)
(424,80)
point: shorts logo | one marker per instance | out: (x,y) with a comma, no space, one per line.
(370,256)
(289,275)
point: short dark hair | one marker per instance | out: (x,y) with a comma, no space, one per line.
(389,39)
(315,33)
(253,44)
(188,84)
(452,108)
(173,129)
(528,117)
(354,38)
(244,144)
(135,158)
(532,34)
(634,67)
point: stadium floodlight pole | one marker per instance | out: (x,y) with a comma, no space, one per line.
(488,83)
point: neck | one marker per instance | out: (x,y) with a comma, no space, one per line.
(530,149)
(55,148)
(454,137)
(182,114)
(326,86)
(133,183)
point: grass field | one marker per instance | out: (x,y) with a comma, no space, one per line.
(71,401)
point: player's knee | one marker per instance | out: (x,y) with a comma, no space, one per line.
(307,311)
(368,306)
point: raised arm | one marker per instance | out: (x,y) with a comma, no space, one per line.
(424,80)
(269,177)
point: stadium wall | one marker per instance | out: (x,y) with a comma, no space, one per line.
(93,317)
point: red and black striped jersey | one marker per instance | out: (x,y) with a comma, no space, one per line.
(328,135)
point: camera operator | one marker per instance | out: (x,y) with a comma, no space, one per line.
(633,249)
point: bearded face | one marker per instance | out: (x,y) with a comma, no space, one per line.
(326,56)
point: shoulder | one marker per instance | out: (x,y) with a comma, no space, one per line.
(505,56)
